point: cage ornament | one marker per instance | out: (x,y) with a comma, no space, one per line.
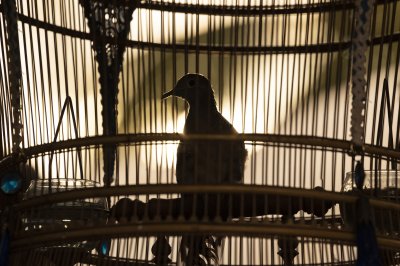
(14,71)
(109,25)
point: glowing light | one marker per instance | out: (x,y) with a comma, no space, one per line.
(11,183)
(104,247)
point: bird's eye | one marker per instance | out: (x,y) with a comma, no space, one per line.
(191,83)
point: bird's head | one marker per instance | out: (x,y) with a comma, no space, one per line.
(194,88)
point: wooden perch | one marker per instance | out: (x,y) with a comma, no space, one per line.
(223,206)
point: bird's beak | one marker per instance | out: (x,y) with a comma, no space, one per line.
(167,94)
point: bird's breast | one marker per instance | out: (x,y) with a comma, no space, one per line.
(207,122)
(209,162)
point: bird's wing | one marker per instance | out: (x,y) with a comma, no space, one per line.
(239,161)
(234,153)
(234,158)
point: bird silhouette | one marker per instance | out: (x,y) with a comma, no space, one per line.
(205,161)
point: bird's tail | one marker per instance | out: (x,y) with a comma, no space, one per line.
(200,250)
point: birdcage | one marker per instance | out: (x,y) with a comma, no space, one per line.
(94,163)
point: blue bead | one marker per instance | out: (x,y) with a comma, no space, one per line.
(104,247)
(10,183)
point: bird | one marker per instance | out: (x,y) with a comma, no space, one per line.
(205,161)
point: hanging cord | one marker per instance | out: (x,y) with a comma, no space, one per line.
(67,103)
(14,72)
(362,15)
